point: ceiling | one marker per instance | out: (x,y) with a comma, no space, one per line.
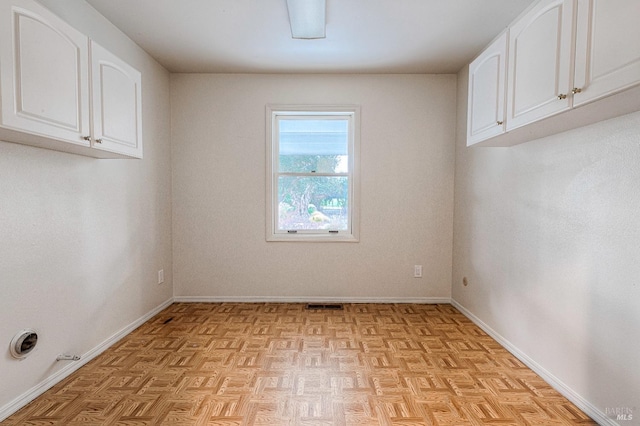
(363,36)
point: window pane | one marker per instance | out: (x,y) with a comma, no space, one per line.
(313,202)
(309,145)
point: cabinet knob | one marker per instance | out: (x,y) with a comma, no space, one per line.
(562,96)
(576,90)
(86,138)
(99,140)
(500,123)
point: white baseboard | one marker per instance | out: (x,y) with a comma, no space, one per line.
(40,388)
(588,408)
(304,299)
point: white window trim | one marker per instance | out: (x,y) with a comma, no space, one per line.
(351,235)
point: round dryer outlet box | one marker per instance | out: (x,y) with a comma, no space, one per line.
(23,343)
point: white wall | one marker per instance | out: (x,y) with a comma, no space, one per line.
(82,239)
(548,234)
(218,163)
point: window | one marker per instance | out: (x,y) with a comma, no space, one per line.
(312,173)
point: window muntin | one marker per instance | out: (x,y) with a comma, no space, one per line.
(312,174)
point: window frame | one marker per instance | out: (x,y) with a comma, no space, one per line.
(273,112)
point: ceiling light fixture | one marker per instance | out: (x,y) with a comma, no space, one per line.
(307,18)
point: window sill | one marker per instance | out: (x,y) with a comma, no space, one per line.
(313,238)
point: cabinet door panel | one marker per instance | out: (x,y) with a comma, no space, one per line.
(45,84)
(116,103)
(487,82)
(540,63)
(607,48)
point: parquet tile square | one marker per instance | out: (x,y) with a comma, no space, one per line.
(281,364)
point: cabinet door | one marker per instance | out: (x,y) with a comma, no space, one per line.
(487,81)
(540,63)
(607,48)
(44,73)
(116,99)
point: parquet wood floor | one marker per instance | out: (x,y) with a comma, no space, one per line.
(279,364)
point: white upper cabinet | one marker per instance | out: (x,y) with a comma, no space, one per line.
(540,49)
(61,91)
(607,48)
(44,74)
(116,94)
(487,78)
(570,63)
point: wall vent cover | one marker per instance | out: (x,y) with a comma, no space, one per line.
(23,343)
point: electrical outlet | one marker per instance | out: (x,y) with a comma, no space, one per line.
(160,276)
(417,271)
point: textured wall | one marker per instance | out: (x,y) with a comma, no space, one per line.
(218,157)
(82,239)
(548,234)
